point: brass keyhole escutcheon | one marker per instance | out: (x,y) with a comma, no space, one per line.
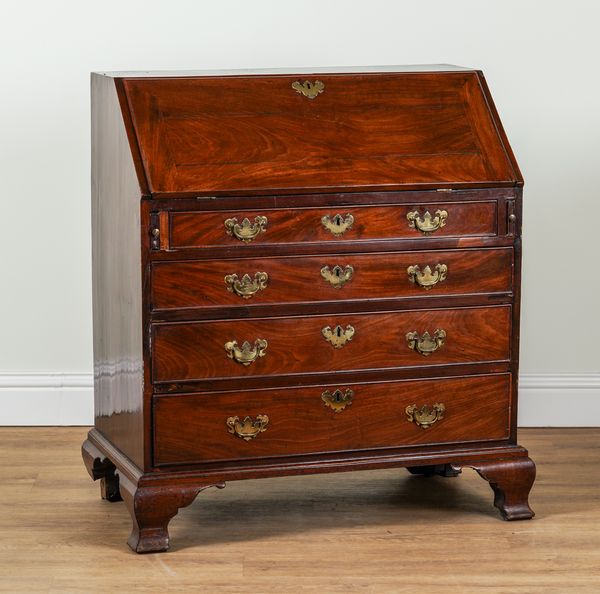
(337,224)
(338,276)
(337,400)
(338,336)
(309,89)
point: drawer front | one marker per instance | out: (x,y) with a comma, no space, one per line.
(194,428)
(276,226)
(330,278)
(293,345)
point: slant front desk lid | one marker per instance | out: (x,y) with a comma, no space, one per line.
(273,133)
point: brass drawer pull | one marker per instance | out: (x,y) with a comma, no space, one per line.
(424,417)
(425,343)
(247,231)
(427,224)
(246,287)
(337,400)
(248,428)
(339,336)
(337,225)
(337,277)
(308,89)
(427,279)
(247,353)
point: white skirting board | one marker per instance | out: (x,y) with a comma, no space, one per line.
(46,399)
(545,400)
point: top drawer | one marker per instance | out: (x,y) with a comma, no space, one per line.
(203,229)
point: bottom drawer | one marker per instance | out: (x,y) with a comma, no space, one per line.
(196,428)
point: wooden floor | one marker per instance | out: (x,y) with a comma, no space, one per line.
(377,531)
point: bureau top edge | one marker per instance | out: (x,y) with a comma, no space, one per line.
(285,70)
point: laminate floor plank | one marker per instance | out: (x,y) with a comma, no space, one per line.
(372,532)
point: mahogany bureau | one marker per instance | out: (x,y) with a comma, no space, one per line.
(301,272)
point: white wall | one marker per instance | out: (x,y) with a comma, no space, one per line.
(540,60)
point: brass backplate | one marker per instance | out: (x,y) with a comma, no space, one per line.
(338,336)
(309,89)
(425,417)
(425,344)
(337,225)
(247,353)
(248,428)
(426,278)
(427,224)
(338,276)
(337,400)
(246,286)
(246,231)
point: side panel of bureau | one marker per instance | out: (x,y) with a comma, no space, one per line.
(296,345)
(192,428)
(116,278)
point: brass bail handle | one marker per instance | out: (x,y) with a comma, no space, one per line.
(427,278)
(427,224)
(425,343)
(246,287)
(246,231)
(247,428)
(247,353)
(425,417)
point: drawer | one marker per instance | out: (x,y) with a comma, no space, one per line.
(194,428)
(197,229)
(330,278)
(313,344)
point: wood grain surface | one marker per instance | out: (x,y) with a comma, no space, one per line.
(286,225)
(300,422)
(298,279)
(256,134)
(173,157)
(278,534)
(296,345)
